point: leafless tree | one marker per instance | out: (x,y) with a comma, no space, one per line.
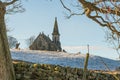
(113,42)
(6,66)
(104,12)
(30,40)
(12,41)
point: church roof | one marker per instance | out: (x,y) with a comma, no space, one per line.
(43,42)
(55,30)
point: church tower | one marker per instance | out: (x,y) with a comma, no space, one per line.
(56,35)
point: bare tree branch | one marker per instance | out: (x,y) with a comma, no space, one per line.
(9,3)
(73,14)
(108,68)
(104,12)
(65,6)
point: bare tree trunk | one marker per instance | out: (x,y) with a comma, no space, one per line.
(6,66)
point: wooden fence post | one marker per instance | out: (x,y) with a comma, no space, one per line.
(85,65)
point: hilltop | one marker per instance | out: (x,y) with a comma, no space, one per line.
(64,59)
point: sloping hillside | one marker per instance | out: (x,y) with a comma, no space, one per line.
(64,59)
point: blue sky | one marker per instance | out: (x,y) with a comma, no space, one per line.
(76,32)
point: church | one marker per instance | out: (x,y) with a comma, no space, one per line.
(43,42)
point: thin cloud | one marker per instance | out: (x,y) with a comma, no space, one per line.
(102,51)
(84,48)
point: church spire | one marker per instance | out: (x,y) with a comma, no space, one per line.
(56,35)
(55,30)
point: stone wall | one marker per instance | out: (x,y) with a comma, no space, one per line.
(29,71)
